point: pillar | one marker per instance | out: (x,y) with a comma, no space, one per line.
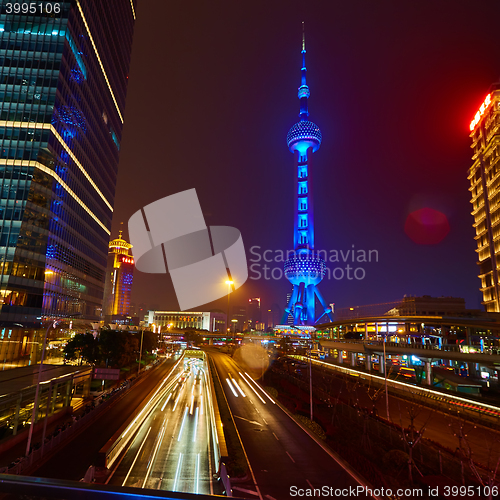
(381,367)
(368,362)
(67,396)
(340,357)
(366,331)
(210,341)
(354,356)
(428,372)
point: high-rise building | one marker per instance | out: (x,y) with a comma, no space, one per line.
(240,315)
(119,277)
(63,80)
(304,269)
(484,177)
(254,314)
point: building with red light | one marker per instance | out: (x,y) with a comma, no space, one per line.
(484,177)
(119,277)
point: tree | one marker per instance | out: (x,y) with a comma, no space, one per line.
(82,346)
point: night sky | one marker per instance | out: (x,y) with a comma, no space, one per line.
(394,85)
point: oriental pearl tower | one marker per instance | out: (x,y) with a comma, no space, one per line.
(304,269)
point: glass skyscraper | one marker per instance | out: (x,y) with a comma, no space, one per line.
(63,81)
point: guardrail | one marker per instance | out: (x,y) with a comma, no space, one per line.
(22,464)
(464,405)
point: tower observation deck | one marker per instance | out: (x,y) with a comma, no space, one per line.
(304,269)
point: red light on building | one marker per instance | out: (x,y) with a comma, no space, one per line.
(482,109)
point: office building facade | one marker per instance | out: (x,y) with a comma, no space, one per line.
(63,81)
(164,321)
(484,178)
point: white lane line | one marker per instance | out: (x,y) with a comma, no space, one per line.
(136,457)
(231,387)
(260,388)
(265,421)
(195,424)
(197,472)
(249,385)
(277,438)
(177,472)
(160,437)
(183,422)
(309,483)
(239,388)
(290,456)
(165,404)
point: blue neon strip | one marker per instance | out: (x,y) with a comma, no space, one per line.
(77,54)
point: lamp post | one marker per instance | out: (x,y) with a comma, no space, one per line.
(385,379)
(37,391)
(140,354)
(228,283)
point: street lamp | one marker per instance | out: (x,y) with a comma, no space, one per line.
(140,354)
(228,283)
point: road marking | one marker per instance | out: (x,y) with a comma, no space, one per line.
(277,438)
(177,472)
(290,456)
(135,459)
(309,483)
(249,421)
(244,490)
(264,420)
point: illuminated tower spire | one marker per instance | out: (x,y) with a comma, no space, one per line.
(304,270)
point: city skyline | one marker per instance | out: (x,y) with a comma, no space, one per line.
(395,89)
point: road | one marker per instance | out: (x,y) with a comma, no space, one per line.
(73,460)
(171,450)
(280,453)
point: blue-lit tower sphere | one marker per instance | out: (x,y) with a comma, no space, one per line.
(304,270)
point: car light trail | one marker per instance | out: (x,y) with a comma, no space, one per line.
(201,404)
(231,387)
(183,422)
(160,437)
(135,459)
(192,405)
(176,401)
(195,424)
(165,403)
(256,393)
(177,472)
(260,388)
(239,388)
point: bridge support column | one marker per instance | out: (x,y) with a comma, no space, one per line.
(366,331)
(381,365)
(340,357)
(428,373)
(368,362)
(354,356)
(210,341)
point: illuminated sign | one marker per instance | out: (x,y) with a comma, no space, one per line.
(480,113)
(127,260)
